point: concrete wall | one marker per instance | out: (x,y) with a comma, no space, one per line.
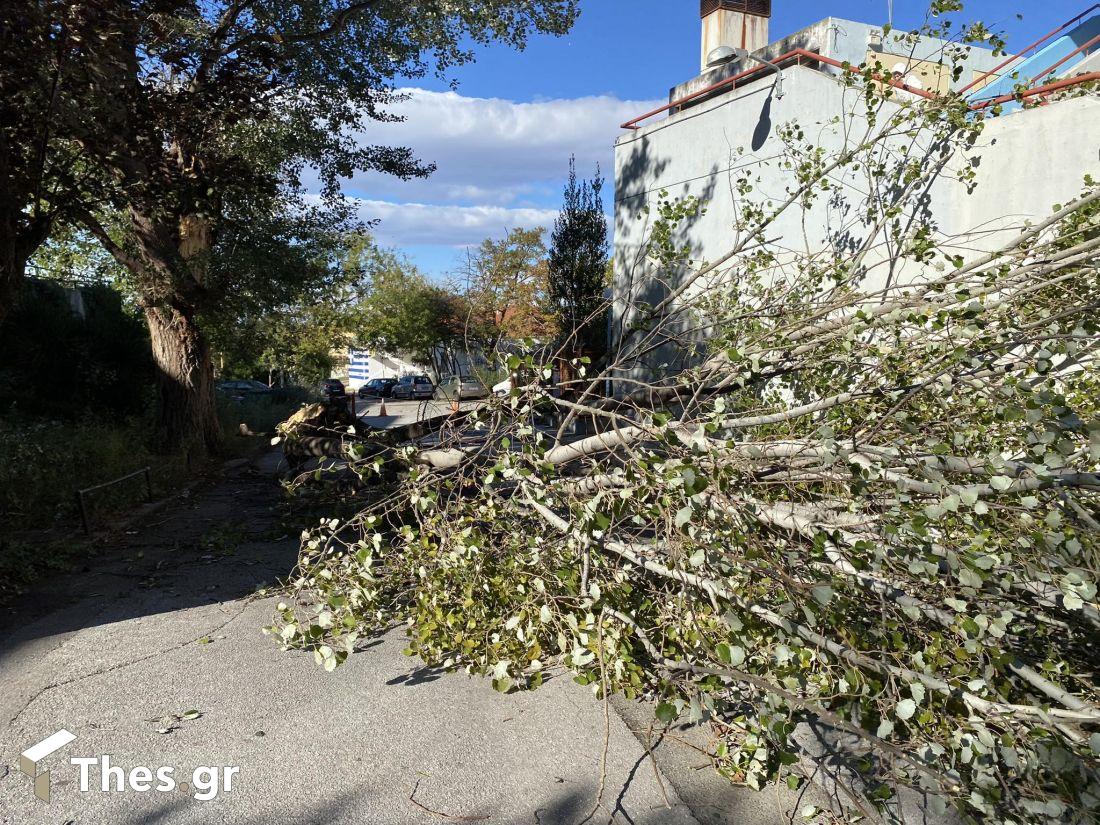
(851,42)
(1025,162)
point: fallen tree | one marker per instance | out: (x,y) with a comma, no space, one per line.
(872,507)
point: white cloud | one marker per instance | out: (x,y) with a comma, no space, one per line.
(495,151)
(423,224)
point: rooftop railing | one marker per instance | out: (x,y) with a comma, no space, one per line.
(1026,90)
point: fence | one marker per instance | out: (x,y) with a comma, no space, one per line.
(81,495)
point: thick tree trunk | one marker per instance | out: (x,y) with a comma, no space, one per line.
(17,244)
(12,269)
(187,417)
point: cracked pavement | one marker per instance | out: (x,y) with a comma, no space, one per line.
(162,623)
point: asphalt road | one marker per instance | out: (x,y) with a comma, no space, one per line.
(166,621)
(162,624)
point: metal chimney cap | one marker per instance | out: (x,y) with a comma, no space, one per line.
(761,8)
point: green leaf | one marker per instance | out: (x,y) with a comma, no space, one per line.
(905,709)
(683,516)
(666,712)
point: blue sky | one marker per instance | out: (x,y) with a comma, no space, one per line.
(502,140)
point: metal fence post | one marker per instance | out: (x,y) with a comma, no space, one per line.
(83,511)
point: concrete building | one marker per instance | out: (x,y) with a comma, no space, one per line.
(724,125)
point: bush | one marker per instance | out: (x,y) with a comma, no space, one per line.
(43,463)
(57,364)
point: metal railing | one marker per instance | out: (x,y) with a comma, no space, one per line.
(797,56)
(995,71)
(793,56)
(82,504)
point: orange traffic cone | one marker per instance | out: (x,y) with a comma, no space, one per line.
(382,408)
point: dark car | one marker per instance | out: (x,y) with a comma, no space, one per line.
(238,390)
(419,387)
(332,388)
(378,388)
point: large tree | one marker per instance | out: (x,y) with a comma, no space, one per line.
(222,107)
(578,264)
(47,54)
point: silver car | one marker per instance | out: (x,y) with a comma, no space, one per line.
(414,387)
(461,387)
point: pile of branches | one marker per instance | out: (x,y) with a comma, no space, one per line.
(871,507)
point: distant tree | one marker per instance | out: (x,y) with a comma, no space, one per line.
(402,312)
(506,290)
(578,264)
(290,329)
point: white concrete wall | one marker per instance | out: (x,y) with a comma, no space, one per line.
(848,41)
(1025,163)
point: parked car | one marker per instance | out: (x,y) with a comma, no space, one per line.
(332,388)
(238,390)
(378,388)
(459,387)
(414,387)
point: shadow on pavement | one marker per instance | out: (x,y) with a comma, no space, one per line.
(215,546)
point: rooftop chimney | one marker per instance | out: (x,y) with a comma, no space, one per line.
(736,23)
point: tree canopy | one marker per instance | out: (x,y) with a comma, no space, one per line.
(506,290)
(578,264)
(47,118)
(402,311)
(217,113)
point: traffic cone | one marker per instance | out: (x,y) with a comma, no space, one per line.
(382,408)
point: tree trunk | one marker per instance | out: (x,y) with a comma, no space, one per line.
(17,244)
(12,269)
(187,417)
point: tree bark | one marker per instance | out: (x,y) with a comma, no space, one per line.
(17,245)
(186,417)
(12,270)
